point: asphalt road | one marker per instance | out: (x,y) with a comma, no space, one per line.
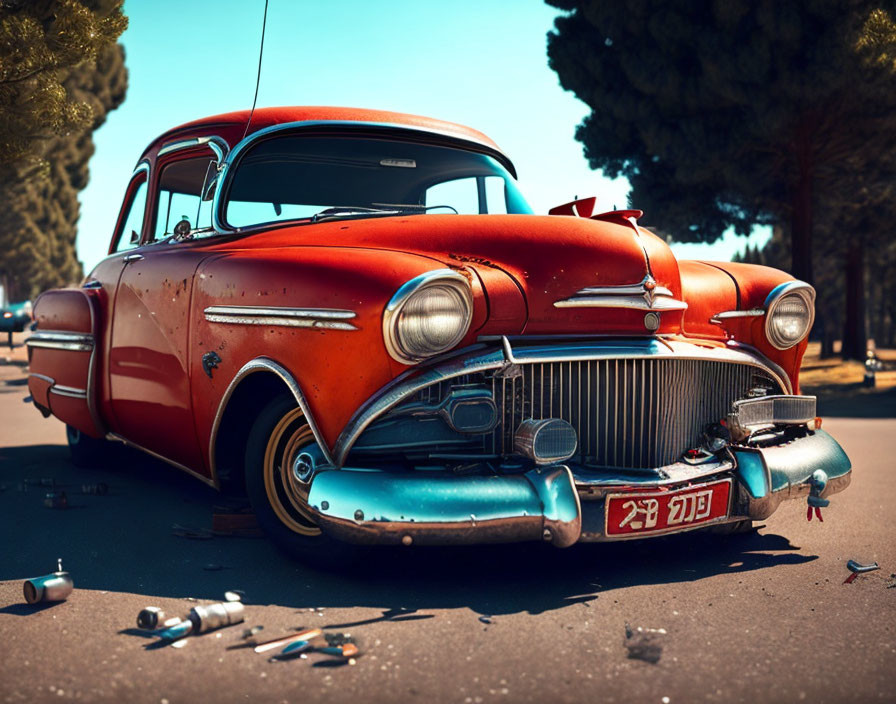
(757,618)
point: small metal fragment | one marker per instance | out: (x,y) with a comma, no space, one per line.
(234,595)
(178,631)
(485,619)
(296,647)
(858,568)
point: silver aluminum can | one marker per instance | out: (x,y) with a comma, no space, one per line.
(50,587)
(212,616)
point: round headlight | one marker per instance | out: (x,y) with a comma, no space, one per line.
(429,315)
(789,314)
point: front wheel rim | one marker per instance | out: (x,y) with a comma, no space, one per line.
(287,495)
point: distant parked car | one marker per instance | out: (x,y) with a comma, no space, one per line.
(355,315)
(15,318)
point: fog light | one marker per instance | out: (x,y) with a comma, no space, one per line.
(545,441)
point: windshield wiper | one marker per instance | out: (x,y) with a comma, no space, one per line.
(349,211)
(357,211)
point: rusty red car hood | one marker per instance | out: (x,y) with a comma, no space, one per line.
(550,258)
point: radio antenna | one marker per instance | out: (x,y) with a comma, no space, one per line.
(264,23)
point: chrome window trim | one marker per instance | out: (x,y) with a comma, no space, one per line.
(479,360)
(217,144)
(409,288)
(327,318)
(262,364)
(224,172)
(62,340)
(777,294)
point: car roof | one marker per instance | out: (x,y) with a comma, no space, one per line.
(231,125)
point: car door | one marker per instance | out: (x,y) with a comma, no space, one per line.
(149,374)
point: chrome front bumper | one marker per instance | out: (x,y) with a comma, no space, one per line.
(553,504)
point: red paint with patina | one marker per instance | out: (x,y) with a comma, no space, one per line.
(151,332)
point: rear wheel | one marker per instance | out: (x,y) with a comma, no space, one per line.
(279,498)
(85,450)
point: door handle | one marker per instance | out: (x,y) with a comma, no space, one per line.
(133,258)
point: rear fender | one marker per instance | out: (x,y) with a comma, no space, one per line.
(63,358)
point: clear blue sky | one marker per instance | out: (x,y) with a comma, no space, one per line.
(478,62)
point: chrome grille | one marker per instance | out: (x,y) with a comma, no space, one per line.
(626,412)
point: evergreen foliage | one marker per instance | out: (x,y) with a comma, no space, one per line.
(733,113)
(61,72)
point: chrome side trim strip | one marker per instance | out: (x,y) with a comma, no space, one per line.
(479,360)
(262,364)
(328,318)
(645,295)
(727,314)
(632,302)
(43,377)
(183,468)
(61,340)
(69,391)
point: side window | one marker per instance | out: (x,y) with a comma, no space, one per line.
(128,236)
(180,188)
(460,194)
(469,196)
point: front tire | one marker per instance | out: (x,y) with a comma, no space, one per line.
(279,499)
(85,450)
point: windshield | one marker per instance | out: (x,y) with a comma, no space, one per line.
(313,177)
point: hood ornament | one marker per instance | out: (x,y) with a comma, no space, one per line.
(646,295)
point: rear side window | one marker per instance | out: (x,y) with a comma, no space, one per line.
(131,230)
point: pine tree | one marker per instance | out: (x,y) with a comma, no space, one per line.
(60,73)
(733,113)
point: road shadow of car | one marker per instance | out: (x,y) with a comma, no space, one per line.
(123,542)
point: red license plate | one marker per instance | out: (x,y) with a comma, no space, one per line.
(638,513)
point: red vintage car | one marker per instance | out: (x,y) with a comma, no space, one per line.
(355,316)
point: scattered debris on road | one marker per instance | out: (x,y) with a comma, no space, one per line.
(252,632)
(100,489)
(286,640)
(150,618)
(858,568)
(486,619)
(644,643)
(191,533)
(51,587)
(56,499)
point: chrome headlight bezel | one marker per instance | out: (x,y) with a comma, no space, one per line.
(396,343)
(780,294)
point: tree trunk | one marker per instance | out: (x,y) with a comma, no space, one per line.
(801,214)
(827,337)
(855,340)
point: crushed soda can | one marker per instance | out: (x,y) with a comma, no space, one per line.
(51,587)
(56,499)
